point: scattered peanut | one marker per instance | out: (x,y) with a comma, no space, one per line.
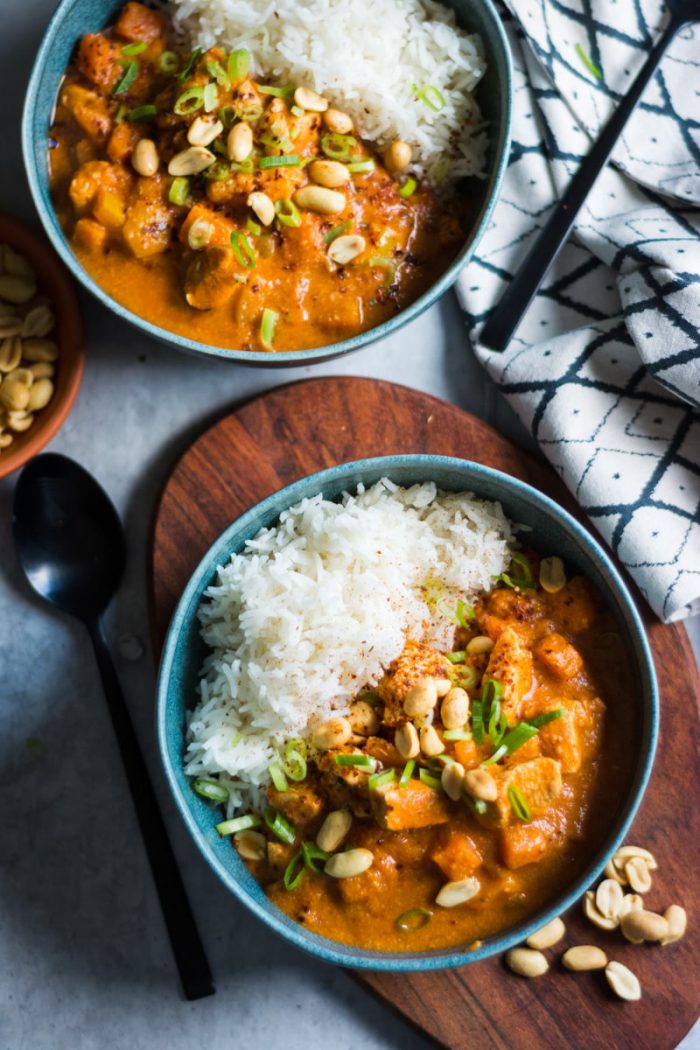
(547,936)
(406,740)
(585,957)
(421,698)
(204,129)
(552,575)
(305,98)
(638,875)
(263,207)
(344,249)
(480,785)
(145,160)
(239,142)
(333,733)
(608,898)
(677,920)
(481,644)
(191,161)
(336,120)
(397,157)
(430,742)
(597,918)
(348,864)
(334,829)
(250,844)
(623,982)
(363,719)
(640,925)
(320,199)
(452,780)
(527,962)
(329,173)
(454,711)
(454,893)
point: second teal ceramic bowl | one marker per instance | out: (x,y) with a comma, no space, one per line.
(75,17)
(553,530)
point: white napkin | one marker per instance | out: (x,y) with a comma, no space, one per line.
(605,368)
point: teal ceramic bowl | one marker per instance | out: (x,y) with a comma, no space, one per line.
(555,530)
(75,17)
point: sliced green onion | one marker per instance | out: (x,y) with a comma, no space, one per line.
(413,919)
(548,716)
(297,111)
(298,745)
(191,62)
(476,804)
(407,772)
(211,789)
(230,827)
(444,760)
(292,878)
(337,231)
(289,160)
(456,734)
(361,761)
(179,190)
(467,677)
(496,756)
(254,227)
(287,212)
(338,147)
(295,766)
(217,71)
(189,101)
(235,740)
(526,579)
(492,691)
(478,721)
(238,64)
(121,113)
(408,189)
(377,780)
(210,97)
(276,92)
(128,78)
(219,171)
(361,167)
(243,250)
(387,264)
(518,736)
(142,112)
(588,63)
(429,780)
(129,50)
(268,325)
(463,612)
(498,723)
(169,62)
(312,855)
(279,825)
(518,804)
(277,776)
(431,96)
(457,658)
(250,110)
(523,563)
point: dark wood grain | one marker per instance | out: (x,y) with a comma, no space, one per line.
(297,429)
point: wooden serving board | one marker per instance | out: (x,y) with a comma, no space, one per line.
(297,429)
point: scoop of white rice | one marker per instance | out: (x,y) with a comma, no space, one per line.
(369,58)
(319,605)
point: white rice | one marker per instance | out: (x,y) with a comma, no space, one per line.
(367,57)
(317,606)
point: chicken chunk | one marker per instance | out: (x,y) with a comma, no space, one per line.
(300,804)
(344,786)
(373,887)
(415,662)
(139,23)
(558,656)
(209,278)
(414,806)
(455,854)
(523,844)
(90,111)
(565,739)
(510,664)
(99,60)
(538,781)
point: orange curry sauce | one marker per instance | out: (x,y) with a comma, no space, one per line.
(132,232)
(552,652)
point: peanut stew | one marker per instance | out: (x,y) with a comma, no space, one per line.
(232,211)
(467,789)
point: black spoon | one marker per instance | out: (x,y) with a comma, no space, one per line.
(513,304)
(71,547)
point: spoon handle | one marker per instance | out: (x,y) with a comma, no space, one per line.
(187,946)
(513,304)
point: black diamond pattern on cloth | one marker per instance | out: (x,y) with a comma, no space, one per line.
(605,368)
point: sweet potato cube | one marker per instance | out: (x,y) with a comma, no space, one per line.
(147,228)
(109,210)
(558,656)
(510,664)
(99,61)
(455,854)
(574,606)
(522,844)
(562,738)
(413,806)
(538,781)
(122,141)
(468,753)
(138,23)
(89,235)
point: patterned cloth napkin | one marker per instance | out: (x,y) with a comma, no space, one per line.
(605,368)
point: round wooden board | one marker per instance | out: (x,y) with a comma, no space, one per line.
(297,429)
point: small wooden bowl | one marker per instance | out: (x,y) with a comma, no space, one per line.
(52,280)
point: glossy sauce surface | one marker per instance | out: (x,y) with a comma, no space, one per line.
(134,239)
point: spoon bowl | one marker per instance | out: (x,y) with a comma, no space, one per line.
(68,536)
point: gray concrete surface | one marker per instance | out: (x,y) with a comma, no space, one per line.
(85,961)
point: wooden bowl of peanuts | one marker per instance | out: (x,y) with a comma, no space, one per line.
(41,344)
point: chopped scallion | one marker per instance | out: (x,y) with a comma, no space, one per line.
(523,563)
(518,804)
(277,775)
(312,854)
(407,772)
(498,754)
(478,721)
(238,64)
(169,62)
(292,878)
(431,96)
(217,71)
(429,780)
(295,766)
(210,97)
(243,250)
(463,612)
(254,227)
(130,50)
(129,76)
(456,734)
(179,190)
(191,63)
(230,827)
(498,723)
(548,716)
(377,780)
(337,231)
(361,167)
(211,789)
(457,658)
(476,804)
(268,324)
(277,92)
(467,677)
(142,112)
(414,919)
(297,111)
(298,745)
(279,825)
(287,212)
(365,762)
(289,160)
(408,188)
(189,101)
(338,147)
(518,736)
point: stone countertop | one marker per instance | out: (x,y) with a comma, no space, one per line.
(86,963)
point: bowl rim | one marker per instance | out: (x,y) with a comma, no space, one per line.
(260,358)
(54,281)
(350,955)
